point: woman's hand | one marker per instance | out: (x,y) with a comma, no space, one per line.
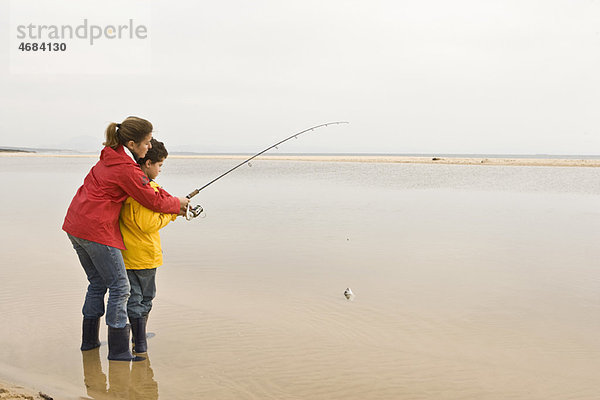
(183,205)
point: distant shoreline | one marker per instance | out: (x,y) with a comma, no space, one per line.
(549,162)
(502,161)
(15,151)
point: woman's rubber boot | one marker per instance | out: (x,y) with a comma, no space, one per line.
(138,331)
(89,335)
(118,345)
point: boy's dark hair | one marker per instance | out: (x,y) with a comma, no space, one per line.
(157,153)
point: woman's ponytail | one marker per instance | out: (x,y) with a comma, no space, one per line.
(112,139)
(132,128)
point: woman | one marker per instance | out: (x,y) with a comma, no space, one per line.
(92,225)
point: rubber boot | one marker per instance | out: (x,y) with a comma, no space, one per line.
(138,331)
(89,336)
(118,345)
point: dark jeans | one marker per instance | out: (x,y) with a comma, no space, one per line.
(105,270)
(143,290)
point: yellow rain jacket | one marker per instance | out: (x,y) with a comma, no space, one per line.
(139,227)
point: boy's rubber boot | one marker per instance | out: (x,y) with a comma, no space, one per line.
(89,335)
(138,330)
(118,345)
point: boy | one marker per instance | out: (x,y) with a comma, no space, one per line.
(139,227)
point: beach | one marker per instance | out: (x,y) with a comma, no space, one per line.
(472,280)
(387,200)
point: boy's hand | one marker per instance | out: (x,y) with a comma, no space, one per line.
(183,205)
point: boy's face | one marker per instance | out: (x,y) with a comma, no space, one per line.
(152,169)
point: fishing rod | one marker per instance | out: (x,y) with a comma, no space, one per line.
(193,212)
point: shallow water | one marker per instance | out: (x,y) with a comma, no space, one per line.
(471,282)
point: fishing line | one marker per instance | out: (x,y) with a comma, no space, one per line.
(195,211)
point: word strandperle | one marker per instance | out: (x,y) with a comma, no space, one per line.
(83,31)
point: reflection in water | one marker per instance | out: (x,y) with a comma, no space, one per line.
(125,380)
(93,377)
(141,382)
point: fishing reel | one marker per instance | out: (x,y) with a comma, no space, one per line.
(194,211)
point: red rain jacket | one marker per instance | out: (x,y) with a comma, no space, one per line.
(94,211)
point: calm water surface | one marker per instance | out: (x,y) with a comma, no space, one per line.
(471,282)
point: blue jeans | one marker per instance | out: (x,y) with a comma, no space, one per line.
(143,290)
(105,270)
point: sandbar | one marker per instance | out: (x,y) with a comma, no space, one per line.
(398,159)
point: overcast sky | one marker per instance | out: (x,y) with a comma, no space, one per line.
(418,76)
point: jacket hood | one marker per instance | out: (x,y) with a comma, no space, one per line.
(110,156)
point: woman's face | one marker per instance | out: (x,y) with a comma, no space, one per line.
(140,149)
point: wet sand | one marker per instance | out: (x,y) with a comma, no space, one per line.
(15,392)
(471,282)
